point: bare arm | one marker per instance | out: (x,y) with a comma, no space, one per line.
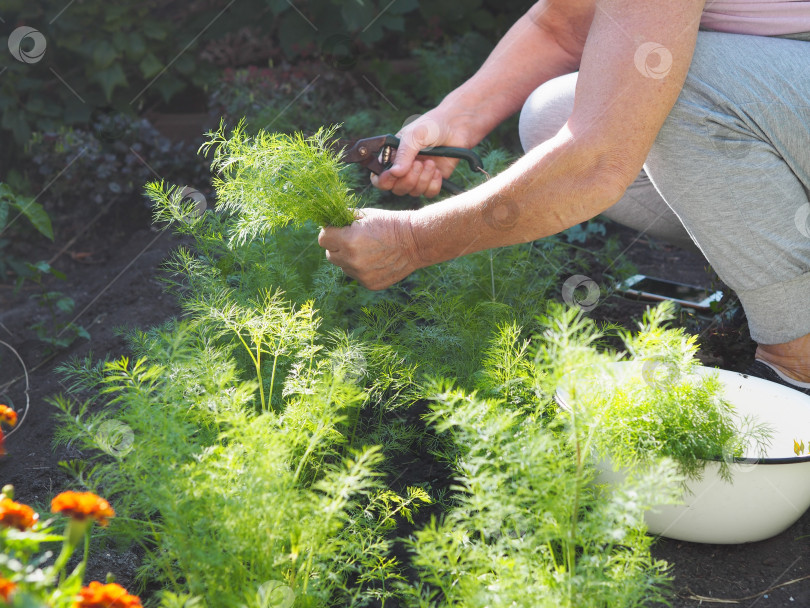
(543,44)
(619,108)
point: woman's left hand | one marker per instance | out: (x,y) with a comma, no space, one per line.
(378,249)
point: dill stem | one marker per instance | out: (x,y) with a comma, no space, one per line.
(273,373)
(257,363)
(571,548)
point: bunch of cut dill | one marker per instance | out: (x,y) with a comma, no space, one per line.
(269,180)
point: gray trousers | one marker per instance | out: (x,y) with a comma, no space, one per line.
(729,172)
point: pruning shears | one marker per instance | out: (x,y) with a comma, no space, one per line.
(376,155)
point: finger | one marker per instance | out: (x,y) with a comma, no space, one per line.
(406,184)
(425,178)
(404,157)
(330,239)
(435,185)
(384,181)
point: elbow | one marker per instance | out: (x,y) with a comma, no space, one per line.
(611,182)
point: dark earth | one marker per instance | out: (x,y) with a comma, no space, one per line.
(112,262)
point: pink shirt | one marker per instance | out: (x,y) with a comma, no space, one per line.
(759,17)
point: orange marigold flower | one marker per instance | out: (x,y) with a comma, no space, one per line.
(16,515)
(112,595)
(8,415)
(6,589)
(83,506)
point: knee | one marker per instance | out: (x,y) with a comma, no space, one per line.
(546,110)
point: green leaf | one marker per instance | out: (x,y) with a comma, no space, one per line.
(104,54)
(400,7)
(294,33)
(3,213)
(150,65)
(110,78)
(356,16)
(135,46)
(37,215)
(65,304)
(185,64)
(41,267)
(156,33)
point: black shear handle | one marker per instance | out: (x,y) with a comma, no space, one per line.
(448,152)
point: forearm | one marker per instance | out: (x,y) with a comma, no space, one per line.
(555,186)
(541,45)
(587,166)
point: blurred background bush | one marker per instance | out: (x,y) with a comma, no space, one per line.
(97,98)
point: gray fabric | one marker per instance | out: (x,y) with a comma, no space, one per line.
(641,208)
(733,162)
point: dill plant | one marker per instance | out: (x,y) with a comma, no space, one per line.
(268,181)
(272,179)
(226,500)
(526,527)
(255,418)
(668,411)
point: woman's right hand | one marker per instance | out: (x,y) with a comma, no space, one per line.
(421,175)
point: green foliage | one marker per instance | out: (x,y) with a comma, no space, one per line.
(52,328)
(666,411)
(57,333)
(12,206)
(440,76)
(263,423)
(232,500)
(103,55)
(114,155)
(527,526)
(269,181)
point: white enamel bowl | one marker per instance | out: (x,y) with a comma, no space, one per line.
(766,495)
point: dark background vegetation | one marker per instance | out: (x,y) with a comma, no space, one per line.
(125,90)
(133,57)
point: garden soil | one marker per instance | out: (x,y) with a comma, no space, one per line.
(112,266)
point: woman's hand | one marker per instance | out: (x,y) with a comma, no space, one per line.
(422,175)
(378,249)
